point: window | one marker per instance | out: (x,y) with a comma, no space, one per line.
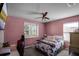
(69,27)
(30,30)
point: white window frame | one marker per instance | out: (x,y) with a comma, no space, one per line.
(31,24)
(69,27)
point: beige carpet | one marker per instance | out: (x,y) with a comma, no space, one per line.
(64,52)
(14,53)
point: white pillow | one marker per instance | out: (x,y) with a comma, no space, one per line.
(54,38)
(50,38)
(58,38)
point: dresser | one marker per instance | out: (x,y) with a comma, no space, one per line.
(74,42)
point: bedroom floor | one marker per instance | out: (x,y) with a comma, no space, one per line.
(33,52)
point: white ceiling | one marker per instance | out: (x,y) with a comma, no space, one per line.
(55,10)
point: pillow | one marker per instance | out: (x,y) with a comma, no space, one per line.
(54,38)
(58,38)
(50,38)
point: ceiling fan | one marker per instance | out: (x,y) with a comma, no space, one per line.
(44,15)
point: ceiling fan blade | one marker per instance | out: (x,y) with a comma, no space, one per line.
(47,18)
(46,13)
(38,17)
(34,13)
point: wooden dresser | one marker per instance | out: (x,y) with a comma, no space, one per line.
(74,42)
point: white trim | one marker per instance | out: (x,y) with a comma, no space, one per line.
(37,26)
(29,46)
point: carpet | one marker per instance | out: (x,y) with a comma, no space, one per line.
(31,51)
(64,52)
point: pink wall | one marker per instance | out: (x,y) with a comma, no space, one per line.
(56,27)
(15,27)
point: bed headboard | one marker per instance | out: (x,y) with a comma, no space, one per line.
(54,37)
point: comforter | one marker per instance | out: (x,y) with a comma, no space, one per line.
(49,47)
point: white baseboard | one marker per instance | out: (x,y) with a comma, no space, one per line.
(29,46)
(25,46)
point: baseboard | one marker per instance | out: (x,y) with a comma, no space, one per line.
(29,46)
(13,47)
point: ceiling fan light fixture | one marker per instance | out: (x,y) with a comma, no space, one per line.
(44,20)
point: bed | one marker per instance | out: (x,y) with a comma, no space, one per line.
(50,45)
